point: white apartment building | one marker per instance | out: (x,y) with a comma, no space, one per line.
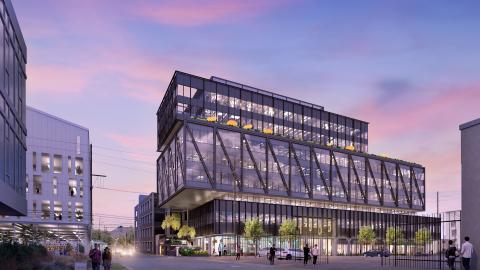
(58,178)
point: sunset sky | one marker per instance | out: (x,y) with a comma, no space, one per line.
(409,68)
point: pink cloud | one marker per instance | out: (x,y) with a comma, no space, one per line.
(417,111)
(56,79)
(194,13)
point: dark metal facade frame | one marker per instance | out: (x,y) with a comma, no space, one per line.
(312,121)
(315,164)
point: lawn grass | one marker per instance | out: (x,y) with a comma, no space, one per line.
(116,266)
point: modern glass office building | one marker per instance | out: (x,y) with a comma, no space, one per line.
(277,157)
(13,58)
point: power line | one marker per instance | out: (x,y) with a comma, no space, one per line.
(122,190)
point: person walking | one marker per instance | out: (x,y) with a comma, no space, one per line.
(237,258)
(451,254)
(220,249)
(306,254)
(466,251)
(96,256)
(315,252)
(272,254)
(107,259)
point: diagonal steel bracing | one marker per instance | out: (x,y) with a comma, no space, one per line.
(212,183)
(322,176)
(357,178)
(299,167)
(392,191)
(257,170)
(340,177)
(369,167)
(227,157)
(270,147)
(409,199)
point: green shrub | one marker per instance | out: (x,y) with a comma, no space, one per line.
(186,251)
(23,256)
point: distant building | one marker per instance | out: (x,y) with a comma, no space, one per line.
(121,231)
(470,156)
(148,217)
(58,178)
(13,129)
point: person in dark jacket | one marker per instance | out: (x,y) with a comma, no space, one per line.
(306,254)
(272,254)
(96,256)
(107,259)
(451,254)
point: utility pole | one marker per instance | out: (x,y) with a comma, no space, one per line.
(438,213)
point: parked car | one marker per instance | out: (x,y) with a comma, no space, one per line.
(291,253)
(376,253)
(266,251)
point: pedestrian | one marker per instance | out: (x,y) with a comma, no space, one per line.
(220,249)
(451,254)
(96,256)
(466,252)
(306,254)
(225,250)
(107,259)
(237,258)
(272,254)
(315,253)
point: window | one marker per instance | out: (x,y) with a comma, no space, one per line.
(57,164)
(34,161)
(45,209)
(55,185)
(34,208)
(81,188)
(72,187)
(69,210)
(37,184)
(79,211)
(57,210)
(78,166)
(78,145)
(45,162)
(69,164)
(26,183)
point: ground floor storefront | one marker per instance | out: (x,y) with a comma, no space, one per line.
(220,224)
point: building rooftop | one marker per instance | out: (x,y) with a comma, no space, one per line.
(56,118)
(470,124)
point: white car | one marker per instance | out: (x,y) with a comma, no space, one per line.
(266,251)
(292,253)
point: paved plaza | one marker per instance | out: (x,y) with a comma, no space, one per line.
(222,263)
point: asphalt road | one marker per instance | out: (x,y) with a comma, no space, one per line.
(147,262)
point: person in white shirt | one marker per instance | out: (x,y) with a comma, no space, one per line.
(315,252)
(466,252)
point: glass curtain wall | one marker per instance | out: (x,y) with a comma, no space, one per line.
(215,157)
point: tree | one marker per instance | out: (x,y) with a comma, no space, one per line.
(423,236)
(171,221)
(186,232)
(366,235)
(288,230)
(103,236)
(254,230)
(394,236)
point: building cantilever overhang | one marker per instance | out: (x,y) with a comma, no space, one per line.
(211,131)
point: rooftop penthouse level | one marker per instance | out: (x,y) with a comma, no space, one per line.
(238,105)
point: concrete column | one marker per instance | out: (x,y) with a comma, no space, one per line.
(470,157)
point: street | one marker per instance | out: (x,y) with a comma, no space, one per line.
(138,262)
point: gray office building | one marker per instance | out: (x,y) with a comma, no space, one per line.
(470,134)
(13,131)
